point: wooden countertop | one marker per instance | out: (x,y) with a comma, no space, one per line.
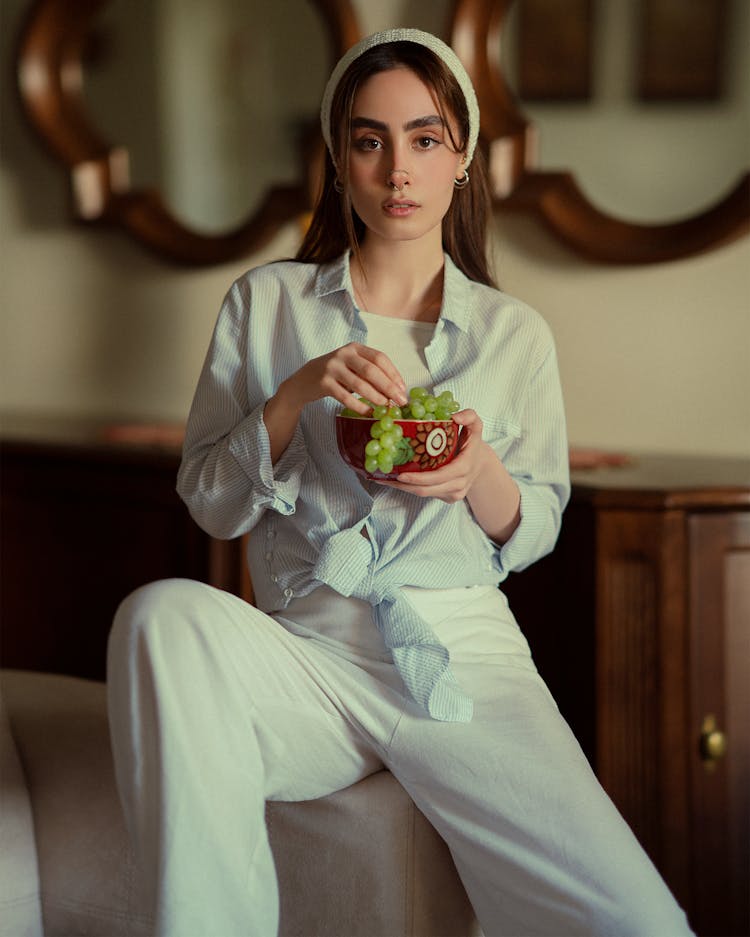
(653,480)
(93,437)
(619,480)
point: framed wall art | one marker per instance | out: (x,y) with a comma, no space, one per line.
(682,48)
(554,49)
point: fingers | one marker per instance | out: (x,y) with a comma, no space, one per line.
(470,419)
(346,374)
(376,369)
(450,491)
(357,369)
(451,482)
(353,402)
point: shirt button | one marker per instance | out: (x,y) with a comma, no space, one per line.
(288,593)
(269,556)
(274,578)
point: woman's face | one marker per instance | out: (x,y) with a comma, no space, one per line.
(399,139)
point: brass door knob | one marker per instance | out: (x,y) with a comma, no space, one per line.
(713,742)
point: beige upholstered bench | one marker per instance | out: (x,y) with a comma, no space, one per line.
(363,861)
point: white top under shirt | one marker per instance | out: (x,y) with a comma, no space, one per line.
(404,341)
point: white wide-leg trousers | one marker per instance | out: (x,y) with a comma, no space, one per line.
(216,707)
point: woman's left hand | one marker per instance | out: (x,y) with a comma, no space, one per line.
(451,482)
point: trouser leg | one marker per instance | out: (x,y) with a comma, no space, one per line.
(538,844)
(215,708)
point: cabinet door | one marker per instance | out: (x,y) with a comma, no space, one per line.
(80,530)
(719,559)
(641,653)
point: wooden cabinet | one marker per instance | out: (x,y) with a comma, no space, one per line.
(86,516)
(719,634)
(640,621)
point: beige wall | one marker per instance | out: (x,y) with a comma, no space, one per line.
(654,357)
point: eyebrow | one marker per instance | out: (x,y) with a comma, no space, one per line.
(430,120)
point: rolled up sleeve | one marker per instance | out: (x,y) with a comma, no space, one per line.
(538,463)
(226,477)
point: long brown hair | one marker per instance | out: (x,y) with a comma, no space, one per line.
(335,227)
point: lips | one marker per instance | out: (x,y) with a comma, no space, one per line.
(400,207)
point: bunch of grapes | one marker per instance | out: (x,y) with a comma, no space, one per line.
(425,406)
(387,445)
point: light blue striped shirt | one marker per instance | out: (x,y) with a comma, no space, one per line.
(308,511)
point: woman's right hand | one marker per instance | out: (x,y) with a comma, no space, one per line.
(346,374)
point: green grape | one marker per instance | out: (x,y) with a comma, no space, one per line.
(385,462)
(387,445)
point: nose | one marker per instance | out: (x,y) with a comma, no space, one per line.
(397,179)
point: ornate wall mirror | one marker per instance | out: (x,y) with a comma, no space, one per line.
(641,227)
(156,111)
(253,103)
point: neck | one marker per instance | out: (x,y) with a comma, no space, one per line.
(401,279)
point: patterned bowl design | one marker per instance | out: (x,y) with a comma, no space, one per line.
(434,443)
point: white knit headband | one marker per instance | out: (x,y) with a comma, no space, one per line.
(431,42)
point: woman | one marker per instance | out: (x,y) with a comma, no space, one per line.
(380,637)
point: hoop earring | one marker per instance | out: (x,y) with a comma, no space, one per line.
(463,182)
(337,185)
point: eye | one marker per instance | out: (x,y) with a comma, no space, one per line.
(426,143)
(367,144)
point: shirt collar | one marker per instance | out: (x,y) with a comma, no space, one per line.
(335,276)
(456,306)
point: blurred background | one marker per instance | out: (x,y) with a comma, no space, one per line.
(653,357)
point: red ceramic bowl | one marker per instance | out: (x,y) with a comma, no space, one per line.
(434,443)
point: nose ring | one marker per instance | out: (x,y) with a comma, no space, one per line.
(394,185)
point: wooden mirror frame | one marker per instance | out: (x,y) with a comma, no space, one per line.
(50,81)
(554,197)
